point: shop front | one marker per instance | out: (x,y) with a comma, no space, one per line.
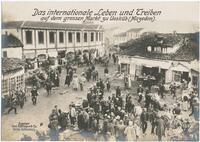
(180,73)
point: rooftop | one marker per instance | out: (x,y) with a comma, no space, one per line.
(135,30)
(187,52)
(49,25)
(11,65)
(10,41)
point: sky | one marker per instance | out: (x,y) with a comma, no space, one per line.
(179,16)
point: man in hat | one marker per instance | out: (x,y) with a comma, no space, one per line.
(67,79)
(106,72)
(172,88)
(161,89)
(140,91)
(48,85)
(159,127)
(108,85)
(85,120)
(118,91)
(13,106)
(82,82)
(152,119)
(120,131)
(177,109)
(40,132)
(72,114)
(62,120)
(80,119)
(34,94)
(143,120)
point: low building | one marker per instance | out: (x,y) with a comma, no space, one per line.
(12,75)
(11,47)
(165,56)
(128,35)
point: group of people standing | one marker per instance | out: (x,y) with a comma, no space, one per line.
(127,118)
(17,98)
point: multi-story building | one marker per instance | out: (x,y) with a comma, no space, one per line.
(128,35)
(49,39)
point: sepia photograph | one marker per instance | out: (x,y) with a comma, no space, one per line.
(100,71)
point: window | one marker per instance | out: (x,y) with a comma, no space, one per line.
(92,37)
(19,81)
(177,76)
(12,83)
(70,37)
(5,86)
(125,68)
(61,37)
(85,37)
(78,37)
(41,37)
(5,54)
(194,80)
(97,36)
(51,37)
(29,37)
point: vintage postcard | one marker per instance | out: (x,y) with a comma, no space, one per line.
(100,71)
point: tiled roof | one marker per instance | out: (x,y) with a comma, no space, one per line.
(11,65)
(184,53)
(10,41)
(135,30)
(49,25)
(12,24)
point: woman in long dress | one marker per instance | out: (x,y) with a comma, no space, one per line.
(130,132)
(75,83)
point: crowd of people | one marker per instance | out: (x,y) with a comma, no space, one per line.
(123,117)
(117,115)
(17,98)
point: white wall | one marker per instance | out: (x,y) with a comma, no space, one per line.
(8,77)
(14,52)
(44,48)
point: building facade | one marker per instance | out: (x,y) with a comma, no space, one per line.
(11,47)
(128,35)
(13,76)
(173,63)
(49,39)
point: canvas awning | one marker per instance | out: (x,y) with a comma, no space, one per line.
(180,68)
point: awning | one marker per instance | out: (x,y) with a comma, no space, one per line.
(41,57)
(151,64)
(180,68)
